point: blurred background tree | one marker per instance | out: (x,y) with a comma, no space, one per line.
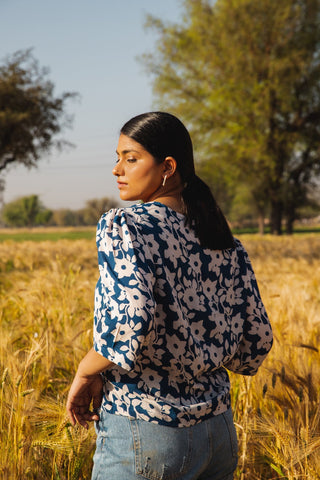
(30,212)
(66,217)
(245,78)
(89,215)
(26,212)
(95,208)
(31,116)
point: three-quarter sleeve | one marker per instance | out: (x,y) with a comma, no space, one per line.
(257,335)
(124,303)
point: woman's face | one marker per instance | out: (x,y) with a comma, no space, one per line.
(138,175)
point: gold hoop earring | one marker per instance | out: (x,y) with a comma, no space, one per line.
(164,180)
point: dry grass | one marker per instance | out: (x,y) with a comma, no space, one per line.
(46,301)
(278,411)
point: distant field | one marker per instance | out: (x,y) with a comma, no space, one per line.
(87,233)
(298,230)
(50,233)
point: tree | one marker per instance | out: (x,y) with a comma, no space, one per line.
(89,215)
(31,116)
(95,207)
(66,217)
(26,212)
(245,77)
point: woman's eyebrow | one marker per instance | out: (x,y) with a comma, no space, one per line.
(127,151)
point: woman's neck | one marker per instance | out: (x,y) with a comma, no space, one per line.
(174,202)
(170,194)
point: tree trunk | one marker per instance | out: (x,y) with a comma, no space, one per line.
(261,224)
(289,226)
(276,217)
(290,218)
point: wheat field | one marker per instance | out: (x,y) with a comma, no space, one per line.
(46,303)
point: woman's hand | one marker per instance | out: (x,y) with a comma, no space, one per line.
(83,391)
(86,388)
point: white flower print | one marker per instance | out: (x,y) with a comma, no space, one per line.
(176,346)
(194,262)
(192,300)
(149,380)
(237,324)
(233,296)
(198,330)
(149,241)
(124,268)
(173,252)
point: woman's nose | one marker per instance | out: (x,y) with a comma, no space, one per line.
(116,170)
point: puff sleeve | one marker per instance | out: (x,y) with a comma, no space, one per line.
(124,303)
(257,335)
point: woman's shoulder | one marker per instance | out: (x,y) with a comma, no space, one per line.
(238,245)
(137,218)
(133,212)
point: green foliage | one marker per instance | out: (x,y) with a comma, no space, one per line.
(244,76)
(43,217)
(89,215)
(26,212)
(31,116)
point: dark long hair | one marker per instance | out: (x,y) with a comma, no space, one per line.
(164,135)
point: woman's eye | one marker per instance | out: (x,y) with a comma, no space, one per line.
(130,160)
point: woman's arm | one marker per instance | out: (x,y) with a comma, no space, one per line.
(257,335)
(93,363)
(86,388)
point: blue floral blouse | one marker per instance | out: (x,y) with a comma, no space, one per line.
(172,317)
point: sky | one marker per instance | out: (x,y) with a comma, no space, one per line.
(90,47)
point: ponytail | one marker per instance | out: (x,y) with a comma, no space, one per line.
(205,216)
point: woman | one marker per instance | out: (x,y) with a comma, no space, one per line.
(176,305)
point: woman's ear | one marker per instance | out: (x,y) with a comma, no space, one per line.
(170,166)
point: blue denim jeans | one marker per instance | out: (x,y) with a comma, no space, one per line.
(131,449)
